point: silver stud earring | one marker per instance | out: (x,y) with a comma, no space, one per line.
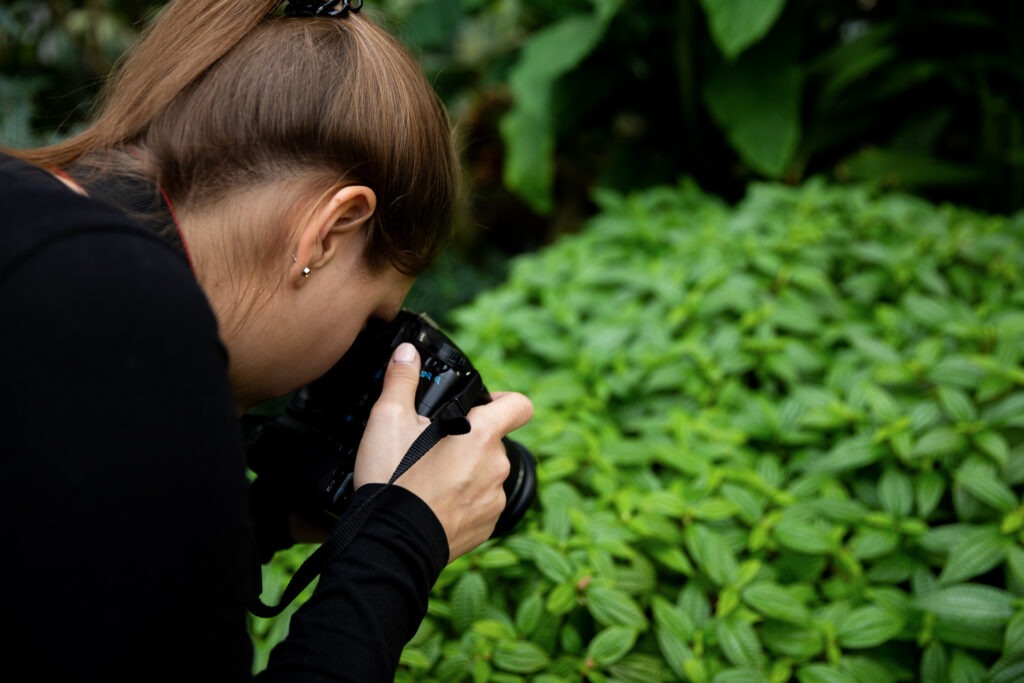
(306,271)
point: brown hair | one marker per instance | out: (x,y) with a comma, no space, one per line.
(220,95)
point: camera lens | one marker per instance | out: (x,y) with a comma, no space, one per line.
(520,486)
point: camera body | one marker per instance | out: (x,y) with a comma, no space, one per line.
(308,453)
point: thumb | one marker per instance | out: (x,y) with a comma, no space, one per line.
(402,376)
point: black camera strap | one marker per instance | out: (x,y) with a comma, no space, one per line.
(350,524)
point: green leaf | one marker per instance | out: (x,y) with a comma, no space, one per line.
(865,669)
(527,130)
(957,370)
(896,492)
(979,551)
(823,673)
(552,563)
(695,604)
(521,657)
(927,310)
(637,668)
(848,454)
(612,607)
(772,600)
(957,404)
(1005,412)
(1007,670)
(964,668)
(875,350)
(739,642)
(984,484)
(1013,643)
(529,613)
(867,627)
(712,554)
(497,558)
(481,671)
(612,644)
(928,490)
(740,675)
(737,24)
(671,557)
(757,103)
(801,642)
(971,605)
(934,663)
(939,441)
(994,445)
(453,668)
(494,629)
(414,659)
(562,598)
(469,600)
(983,638)
(869,544)
(673,630)
(804,536)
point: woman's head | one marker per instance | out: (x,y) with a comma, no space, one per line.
(224,98)
(286,145)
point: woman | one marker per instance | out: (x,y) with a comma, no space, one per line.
(255,188)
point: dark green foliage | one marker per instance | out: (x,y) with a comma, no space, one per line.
(922,96)
(53,56)
(555,97)
(781,442)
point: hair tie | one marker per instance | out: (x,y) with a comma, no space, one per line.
(317,8)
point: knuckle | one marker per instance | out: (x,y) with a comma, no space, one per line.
(504,466)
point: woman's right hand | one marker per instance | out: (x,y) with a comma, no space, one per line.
(461,477)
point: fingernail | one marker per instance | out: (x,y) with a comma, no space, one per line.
(405,353)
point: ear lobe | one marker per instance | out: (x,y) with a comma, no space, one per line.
(332,229)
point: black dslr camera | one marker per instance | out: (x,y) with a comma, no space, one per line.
(308,453)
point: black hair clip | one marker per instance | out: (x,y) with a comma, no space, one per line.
(318,8)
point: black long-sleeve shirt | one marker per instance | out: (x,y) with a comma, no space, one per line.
(128,549)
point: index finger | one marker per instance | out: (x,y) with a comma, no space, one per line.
(507,411)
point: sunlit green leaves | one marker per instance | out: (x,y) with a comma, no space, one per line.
(780,441)
(797,457)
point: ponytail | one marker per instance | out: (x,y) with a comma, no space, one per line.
(177,48)
(223,96)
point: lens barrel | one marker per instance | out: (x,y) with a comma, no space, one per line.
(520,486)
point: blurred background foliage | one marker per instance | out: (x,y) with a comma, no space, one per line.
(555,98)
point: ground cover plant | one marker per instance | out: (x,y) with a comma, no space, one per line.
(777,441)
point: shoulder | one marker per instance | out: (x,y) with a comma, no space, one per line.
(38,210)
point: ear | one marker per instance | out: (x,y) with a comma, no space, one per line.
(333,228)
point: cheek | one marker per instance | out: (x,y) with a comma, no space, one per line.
(380,298)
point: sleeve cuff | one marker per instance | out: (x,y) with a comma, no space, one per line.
(409,512)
